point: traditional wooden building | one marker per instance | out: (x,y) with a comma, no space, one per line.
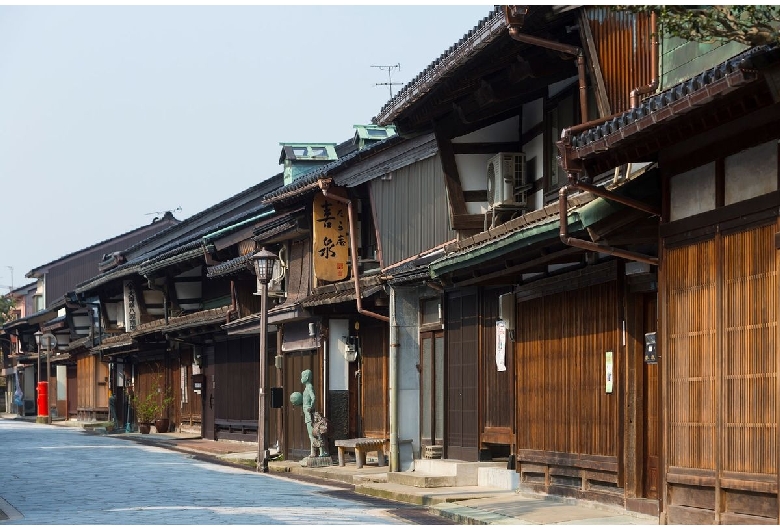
(52,312)
(714,136)
(162,316)
(546,294)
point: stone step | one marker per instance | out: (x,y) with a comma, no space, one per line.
(422,480)
(498,477)
(442,473)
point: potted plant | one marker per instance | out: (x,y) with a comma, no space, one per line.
(150,409)
(146,410)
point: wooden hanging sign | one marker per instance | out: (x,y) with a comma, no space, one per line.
(331,239)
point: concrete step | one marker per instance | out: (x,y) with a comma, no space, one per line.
(422,480)
(425,496)
(498,477)
(442,473)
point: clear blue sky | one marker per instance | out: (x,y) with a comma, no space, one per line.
(110,113)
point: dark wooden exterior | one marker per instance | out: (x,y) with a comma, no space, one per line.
(461,438)
(497,418)
(235,386)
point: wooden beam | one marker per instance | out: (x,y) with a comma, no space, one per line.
(592,55)
(468,222)
(451,176)
(475,195)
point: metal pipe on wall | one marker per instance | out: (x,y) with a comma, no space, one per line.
(514,22)
(653,85)
(590,245)
(393,385)
(325,187)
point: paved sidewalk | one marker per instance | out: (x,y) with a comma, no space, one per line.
(464,505)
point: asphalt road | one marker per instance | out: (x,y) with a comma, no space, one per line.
(62,475)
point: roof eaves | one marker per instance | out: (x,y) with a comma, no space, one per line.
(485,32)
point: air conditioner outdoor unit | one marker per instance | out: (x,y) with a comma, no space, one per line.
(506,180)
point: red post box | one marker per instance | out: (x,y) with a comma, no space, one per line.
(43,398)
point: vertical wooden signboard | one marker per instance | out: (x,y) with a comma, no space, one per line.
(331,239)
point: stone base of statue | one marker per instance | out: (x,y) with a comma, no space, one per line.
(316,461)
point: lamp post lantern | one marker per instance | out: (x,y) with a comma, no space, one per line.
(38,334)
(264,268)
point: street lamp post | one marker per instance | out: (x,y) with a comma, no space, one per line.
(264,268)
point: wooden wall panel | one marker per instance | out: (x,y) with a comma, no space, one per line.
(691,353)
(560,359)
(462,379)
(374,390)
(236,374)
(750,352)
(722,312)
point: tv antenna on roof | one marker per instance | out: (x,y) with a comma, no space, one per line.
(178,209)
(389,68)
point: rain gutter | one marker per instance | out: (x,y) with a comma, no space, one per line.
(574,185)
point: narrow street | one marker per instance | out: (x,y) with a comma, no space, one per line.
(62,475)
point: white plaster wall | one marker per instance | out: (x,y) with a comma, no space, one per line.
(751,172)
(472,169)
(692,192)
(503,131)
(62,381)
(337,365)
(533,113)
(560,85)
(534,149)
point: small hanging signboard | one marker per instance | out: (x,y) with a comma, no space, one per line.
(331,239)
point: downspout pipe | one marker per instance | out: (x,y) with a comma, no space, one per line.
(590,245)
(567,161)
(395,464)
(325,187)
(653,86)
(514,22)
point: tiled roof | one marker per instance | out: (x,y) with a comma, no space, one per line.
(679,98)
(342,291)
(267,184)
(167,218)
(469,45)
(208,316)
(239,264)
(171,251)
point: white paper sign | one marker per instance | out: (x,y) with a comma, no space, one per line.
(609,372)
(501,345)
(131,307)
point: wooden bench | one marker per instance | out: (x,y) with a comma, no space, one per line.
(361,446)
